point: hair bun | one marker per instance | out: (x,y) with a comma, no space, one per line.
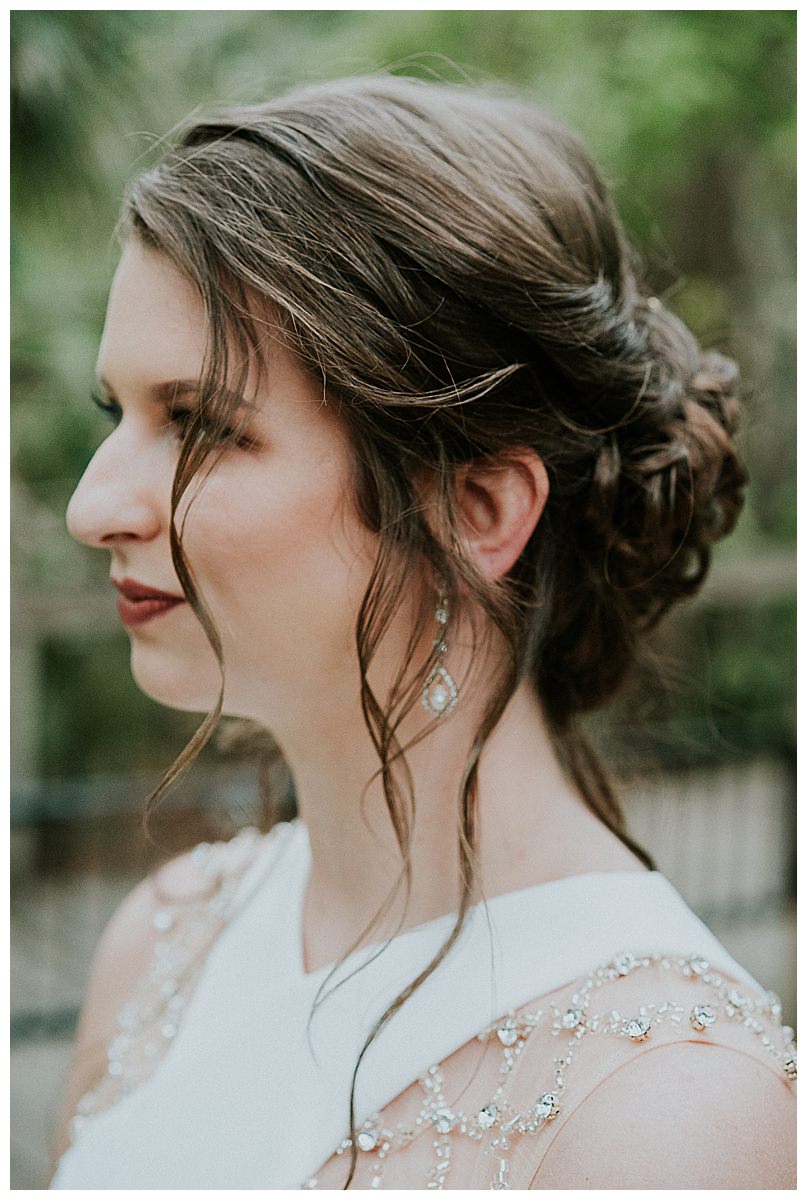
(668,482)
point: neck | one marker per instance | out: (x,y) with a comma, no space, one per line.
(532,825)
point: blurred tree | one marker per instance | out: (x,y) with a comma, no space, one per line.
(74,92)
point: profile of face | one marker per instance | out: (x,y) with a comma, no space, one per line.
(276,550)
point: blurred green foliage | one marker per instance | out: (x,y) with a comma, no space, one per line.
(112,731)
(691,115)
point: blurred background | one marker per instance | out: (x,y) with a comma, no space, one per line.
(691,115)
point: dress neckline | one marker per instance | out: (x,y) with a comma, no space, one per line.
(414,932)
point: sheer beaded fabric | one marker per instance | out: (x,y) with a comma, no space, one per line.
(485,1116)
(184,931)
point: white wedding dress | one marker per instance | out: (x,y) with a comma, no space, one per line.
(215,1079)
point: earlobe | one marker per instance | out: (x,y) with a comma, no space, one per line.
(499,503)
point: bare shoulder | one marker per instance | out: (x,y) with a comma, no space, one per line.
(680,1115)
(122,956)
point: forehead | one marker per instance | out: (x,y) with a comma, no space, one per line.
(156,326)
(156,332)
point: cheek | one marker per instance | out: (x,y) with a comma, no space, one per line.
(280,560)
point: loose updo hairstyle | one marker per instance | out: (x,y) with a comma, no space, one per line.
(447,262)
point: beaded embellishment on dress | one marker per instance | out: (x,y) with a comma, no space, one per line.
(501,1124)
(493,1131)
(148,1022)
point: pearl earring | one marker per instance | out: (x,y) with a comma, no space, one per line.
(440,692)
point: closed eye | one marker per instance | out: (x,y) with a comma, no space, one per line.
(180,421)
(110,408)
(189,419)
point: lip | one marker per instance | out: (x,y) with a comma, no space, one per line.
(133,590)
(138,602)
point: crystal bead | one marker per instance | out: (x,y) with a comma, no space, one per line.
(546,1106)
(637,1029)
(624,963)
(127,1017)
(774,1003)
(697,965)
(500,1180)
(118,1046)
(508,1033)
(487,1116)
(163,920)
(737,1001)
(367,1139)
(444,1120)
(701,1017)
(571,1018)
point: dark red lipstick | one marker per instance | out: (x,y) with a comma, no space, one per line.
(138,602)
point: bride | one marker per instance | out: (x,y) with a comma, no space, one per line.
(403,463)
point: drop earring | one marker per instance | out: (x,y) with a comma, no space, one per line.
(440,691)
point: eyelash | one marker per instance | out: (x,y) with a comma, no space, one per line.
(110,408)
(180,420)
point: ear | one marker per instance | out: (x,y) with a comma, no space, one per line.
(499,502)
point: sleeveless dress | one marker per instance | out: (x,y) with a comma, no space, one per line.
(218,1079)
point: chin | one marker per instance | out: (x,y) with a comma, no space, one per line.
(187,687)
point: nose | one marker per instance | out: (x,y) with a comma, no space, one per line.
(118,498)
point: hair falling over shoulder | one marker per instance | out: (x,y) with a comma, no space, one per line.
(488,299)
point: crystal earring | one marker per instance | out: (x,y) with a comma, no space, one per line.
(440,691)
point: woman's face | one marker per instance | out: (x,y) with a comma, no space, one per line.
(276,551)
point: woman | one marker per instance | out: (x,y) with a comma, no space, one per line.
(404,461)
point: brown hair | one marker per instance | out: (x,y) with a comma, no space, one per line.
(487,300)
